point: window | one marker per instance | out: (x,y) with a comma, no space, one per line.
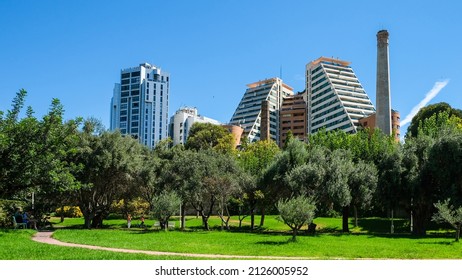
(135,92)
(125,75)
(136,105)
(135,111)
(136,74)
(124,87)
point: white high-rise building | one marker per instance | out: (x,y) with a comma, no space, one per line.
(182,121)
(335,97)
(139,106)
(261,122)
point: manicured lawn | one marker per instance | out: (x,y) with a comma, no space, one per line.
(18,245)
(370,240)
(321,246)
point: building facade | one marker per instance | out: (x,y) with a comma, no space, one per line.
(335,97)
(371,123)
(139,106)
(258,110)
(182,121)
(293,117)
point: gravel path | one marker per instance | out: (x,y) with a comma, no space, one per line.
(46,237)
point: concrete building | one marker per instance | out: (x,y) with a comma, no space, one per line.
(182,121)
(383,100)
(370,122)
(293,117)
(335,97)
(139,106)
(258,110)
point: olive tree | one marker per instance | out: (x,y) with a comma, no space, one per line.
(449,214)
(165,205)
(296,212)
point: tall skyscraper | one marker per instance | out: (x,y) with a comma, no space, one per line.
(335,97)
(383,118)
(139,106)
(258,110)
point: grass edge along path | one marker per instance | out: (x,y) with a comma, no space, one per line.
(46,237)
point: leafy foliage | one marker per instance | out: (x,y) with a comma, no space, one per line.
(449,214)
(165,205)
(296,212)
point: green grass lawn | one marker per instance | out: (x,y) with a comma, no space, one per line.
(370,240)
(18,245)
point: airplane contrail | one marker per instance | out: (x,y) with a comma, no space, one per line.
(429,96)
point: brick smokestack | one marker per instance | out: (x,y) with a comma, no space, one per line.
(383,100)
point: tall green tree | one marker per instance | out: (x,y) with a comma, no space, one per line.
(428,159)
(109,162)
(254,159)
(429,111)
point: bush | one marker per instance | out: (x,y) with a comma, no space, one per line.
(7,210)
(136,207)
(69,212)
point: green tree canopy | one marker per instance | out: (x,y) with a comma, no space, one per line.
(204,136)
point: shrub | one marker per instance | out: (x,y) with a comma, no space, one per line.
(136,207)
(69,212)
(7,209)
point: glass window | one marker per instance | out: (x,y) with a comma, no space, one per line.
(125,75)
(136,74)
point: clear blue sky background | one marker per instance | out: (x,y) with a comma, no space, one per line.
(74,50)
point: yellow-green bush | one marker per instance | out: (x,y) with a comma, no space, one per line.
(135,207)
(70,211)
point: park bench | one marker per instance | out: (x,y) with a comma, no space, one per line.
(170,225)
(16,225)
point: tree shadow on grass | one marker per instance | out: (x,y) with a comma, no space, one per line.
(275,243)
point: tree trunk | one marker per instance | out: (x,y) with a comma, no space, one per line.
(419,220)
(62,213)
(458,233)
(205,222)
(345,219)
(294,234)
(355,210)
(183,216)
(252,219)
(262,220)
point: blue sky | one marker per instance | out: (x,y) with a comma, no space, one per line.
(74,50)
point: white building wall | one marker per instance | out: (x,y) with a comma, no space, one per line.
(143,104)
(182,122)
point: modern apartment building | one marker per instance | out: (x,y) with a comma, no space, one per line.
(335,97)
(182,121)
(139,106)
(293,118)
(258,110)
